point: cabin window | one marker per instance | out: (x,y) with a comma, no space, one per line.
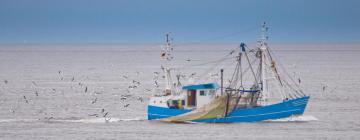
(211,93)
(202,93)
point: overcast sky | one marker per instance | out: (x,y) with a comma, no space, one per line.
(208,21)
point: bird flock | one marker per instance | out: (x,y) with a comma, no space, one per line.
(126,94)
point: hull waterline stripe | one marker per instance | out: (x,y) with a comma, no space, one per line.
(263,114)
(161,115)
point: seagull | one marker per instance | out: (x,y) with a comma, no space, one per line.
(232,52)
(123,97)
(132,87)
(93,102)
(137,82)
(59,71)
(86,89)
(102,110)
(105,114)
(140,99)
(73,78)
(25,99)
(36,93)
(156,84)
(6,81)
(33,82)
(126,105)
(124,76)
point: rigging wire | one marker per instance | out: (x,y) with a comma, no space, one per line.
(288,75)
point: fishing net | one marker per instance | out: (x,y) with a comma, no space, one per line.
(215,109)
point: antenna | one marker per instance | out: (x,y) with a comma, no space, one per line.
(264,36)
(167,49)
(167,57)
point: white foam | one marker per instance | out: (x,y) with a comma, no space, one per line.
(102,120)
(16,120)
(84,120)
(299,118)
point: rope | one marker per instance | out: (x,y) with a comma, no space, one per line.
(288,75)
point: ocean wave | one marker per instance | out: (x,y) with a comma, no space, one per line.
(299,118)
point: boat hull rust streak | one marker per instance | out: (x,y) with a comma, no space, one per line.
(275,111)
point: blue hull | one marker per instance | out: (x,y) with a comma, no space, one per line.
(274,111)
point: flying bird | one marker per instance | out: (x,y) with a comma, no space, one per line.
(105,114)
(132,87)
(26,100)
(33,82)
(123,97)
(140,99)
(94,101)
(136,82)
(156,84)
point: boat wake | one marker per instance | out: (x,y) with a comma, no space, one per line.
(103,120)
(300,118)
(73,120)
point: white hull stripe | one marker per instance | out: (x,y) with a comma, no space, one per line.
(299,104)
(241,116)
(263,114)
(159,115)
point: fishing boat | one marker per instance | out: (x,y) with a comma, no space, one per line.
(270,92)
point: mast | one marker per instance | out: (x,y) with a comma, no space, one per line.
(166,58)
(263,50)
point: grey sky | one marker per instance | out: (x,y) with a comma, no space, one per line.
(114,21)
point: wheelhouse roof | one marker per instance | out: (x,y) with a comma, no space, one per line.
(201,86)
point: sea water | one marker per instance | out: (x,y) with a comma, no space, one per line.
(91,91)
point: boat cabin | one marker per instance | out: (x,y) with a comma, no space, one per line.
(199,95)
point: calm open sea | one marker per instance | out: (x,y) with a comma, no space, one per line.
(64,91)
